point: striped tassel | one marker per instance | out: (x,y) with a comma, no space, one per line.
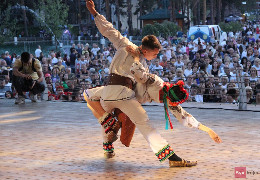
(166,113)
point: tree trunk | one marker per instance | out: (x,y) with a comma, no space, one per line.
(204,12)
(194,16)
(108,12)
(218,12)
(212,15)
(198,12)
(25,19)
(141,13)
(224,4)
(118,16)
(79,16)
(173,11)
(129,19)
(188,13)
(170,9)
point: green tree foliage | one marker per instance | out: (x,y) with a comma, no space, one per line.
(150,29)
(231,26)
(164,29)
(145,6)
(55,15)
(8,25)
(248,7)
(172,27)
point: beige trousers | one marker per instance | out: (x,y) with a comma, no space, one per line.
(133,109)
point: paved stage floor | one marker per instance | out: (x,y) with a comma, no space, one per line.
(62,140)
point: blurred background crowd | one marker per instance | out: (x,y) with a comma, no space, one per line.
(211,71)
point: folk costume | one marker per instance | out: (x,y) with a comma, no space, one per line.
(153,89)
(119,91)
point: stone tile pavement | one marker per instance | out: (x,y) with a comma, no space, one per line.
(61,140)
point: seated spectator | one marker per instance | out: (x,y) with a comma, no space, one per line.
(249,95)
(3,87)
(227,73)
(95,49)
(195,70)
(3,63)
(157,67)
(224,82)
(215,69)
(210,97)
(55,75)
(79,49)
(208,66)
(27,76)
(232,95)
(54,60)
(252,84)
(246,78)
(189,82)
(59,65)
(9,95)
(253,74)
(194,94)
(257,66)
(179,76)
(185,59)
(7,58)
(163,63)
(179,63)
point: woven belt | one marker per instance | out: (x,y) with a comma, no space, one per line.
(115,79)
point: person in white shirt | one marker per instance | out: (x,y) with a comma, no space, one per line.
(54,60)
(257,65)
(38,52)
(188,70)
(208,65)
(95,49)
(168,52)
(179,63)
(157,67)
(106,52)
(179,76)
(110,57)
(224,82)
(183,48)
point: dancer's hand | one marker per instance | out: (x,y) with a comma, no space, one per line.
(91,7)
(130,49)
(214,136)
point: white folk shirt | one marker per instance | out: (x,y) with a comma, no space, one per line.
(121,62)
(149,87)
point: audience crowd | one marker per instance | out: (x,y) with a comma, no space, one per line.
(211,71)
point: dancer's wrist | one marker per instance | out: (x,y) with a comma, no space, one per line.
(204,128)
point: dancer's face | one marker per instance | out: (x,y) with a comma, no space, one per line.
(150,54)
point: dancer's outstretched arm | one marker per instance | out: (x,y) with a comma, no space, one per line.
(189,121)
(106,28)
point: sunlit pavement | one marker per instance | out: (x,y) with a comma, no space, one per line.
(61,140)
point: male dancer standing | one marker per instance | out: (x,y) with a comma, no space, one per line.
(119,94)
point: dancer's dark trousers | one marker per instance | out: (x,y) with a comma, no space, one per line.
(23,85)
